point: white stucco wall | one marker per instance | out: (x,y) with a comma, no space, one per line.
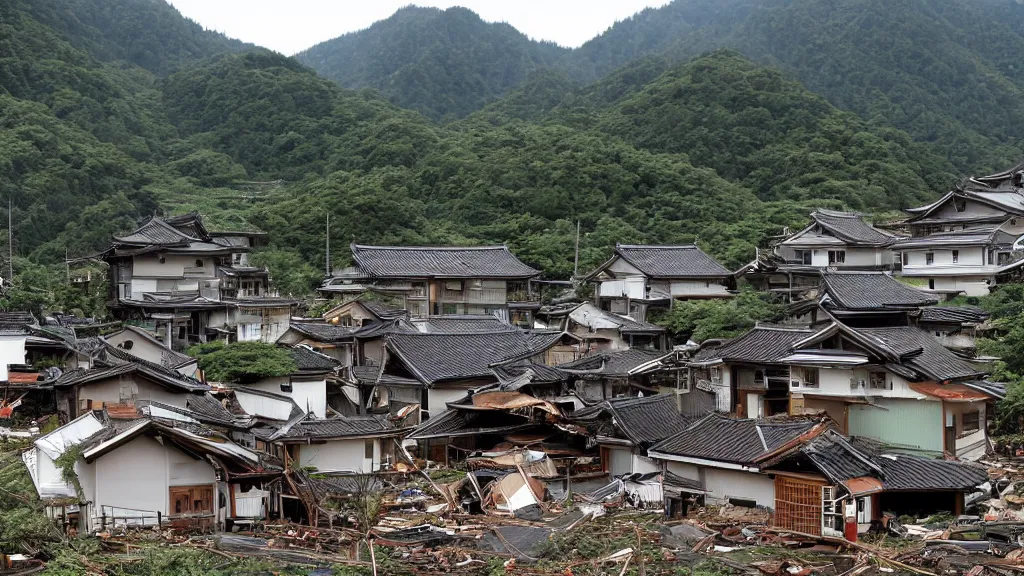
(138,475)
(437,399)
(12,351)
(340,456)
(309,395)
(725,484)
(836,382)
(173,266)
(684,288)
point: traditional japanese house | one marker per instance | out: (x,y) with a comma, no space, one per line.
(726,455)
(967,240)
(142,344)
(325,338)
(833,240)
(433,369)
(637,277)
(186,284)
(601,330)
(124,382)
(605,375)
(432,280)
(146,471)
(815,480)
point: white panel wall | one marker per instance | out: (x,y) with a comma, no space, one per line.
(309,395)
(340,456)
(836,382)
(437,399)
(725,484)
(133,476)
(12,351)
(128,389)
(173,266)
(698,288)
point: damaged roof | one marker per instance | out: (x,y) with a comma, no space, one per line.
(617,363)
(322,331)
(434,357)
(921,355)
(461,323)
(439,262)
(163,377)
(664,261)
(309,360)
(641,420)
(953,315)
(742,442)
(454,422)
(342,427)
(872,291)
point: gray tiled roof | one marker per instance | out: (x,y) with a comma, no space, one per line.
(970,237)
(163,376)
(922,357)
(446,356)
(685,261)
(953,314)
(761,345)
(208,408)
(902,471)
(872,291)
(307,360)
(350,426)
(439,262)
(173,231)
(382,311)
(454,422)
(724,439)
(322,331)
(851,227)
(643,421)
(619,362)
(461,323)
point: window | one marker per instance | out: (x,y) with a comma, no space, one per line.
(959,204)
(236,258)
(836,256)
(368,449)
(956,256)
(990,257)
(811,377)
(931,283)
(1004,258)
(929,258)
(906,258)
(199,263)
(249,332)
(878,381)
(803,257)
(971,421)
(286,386)
(191,499)
(716,374)
(126,345)
(448,309)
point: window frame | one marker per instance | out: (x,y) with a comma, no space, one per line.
(812,382)
(975,418)
(956,256)
(836,257)
(929,258)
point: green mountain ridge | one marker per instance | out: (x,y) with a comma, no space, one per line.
(720,150)
(945,71)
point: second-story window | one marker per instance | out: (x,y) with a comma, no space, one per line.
(956,256)
(906,258)
(199,263)
(836,256)
(811,377)
(929,258)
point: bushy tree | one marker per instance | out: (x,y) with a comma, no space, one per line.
(242,362)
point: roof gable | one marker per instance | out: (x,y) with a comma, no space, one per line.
(663,261)
(872,291)
(733,441)
(761,344)
(851,228)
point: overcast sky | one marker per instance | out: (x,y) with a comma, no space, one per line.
(290,26)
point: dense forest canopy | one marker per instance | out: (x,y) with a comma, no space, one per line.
(114,111)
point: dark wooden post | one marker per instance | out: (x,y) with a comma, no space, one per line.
(159,520)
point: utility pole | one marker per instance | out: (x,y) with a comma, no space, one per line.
(327,263)
(10,241)
(67,265)
(576,261)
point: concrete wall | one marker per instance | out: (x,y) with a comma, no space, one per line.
(340,456)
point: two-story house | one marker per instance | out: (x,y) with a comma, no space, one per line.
(443,280)
(637,277)
(967,240)
(832,240)
(186,284)
(894,384)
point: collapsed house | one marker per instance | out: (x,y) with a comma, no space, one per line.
(600,330)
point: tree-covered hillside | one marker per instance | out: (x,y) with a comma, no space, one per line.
(944,71)
(444,63)
(718,150)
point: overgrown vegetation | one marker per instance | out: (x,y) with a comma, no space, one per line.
(65,463)
(242,362)
(699,320)
(23,525)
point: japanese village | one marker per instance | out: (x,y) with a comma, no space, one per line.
(635,307)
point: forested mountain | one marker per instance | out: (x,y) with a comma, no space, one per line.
(444,63)
(945,71)
(720,150)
